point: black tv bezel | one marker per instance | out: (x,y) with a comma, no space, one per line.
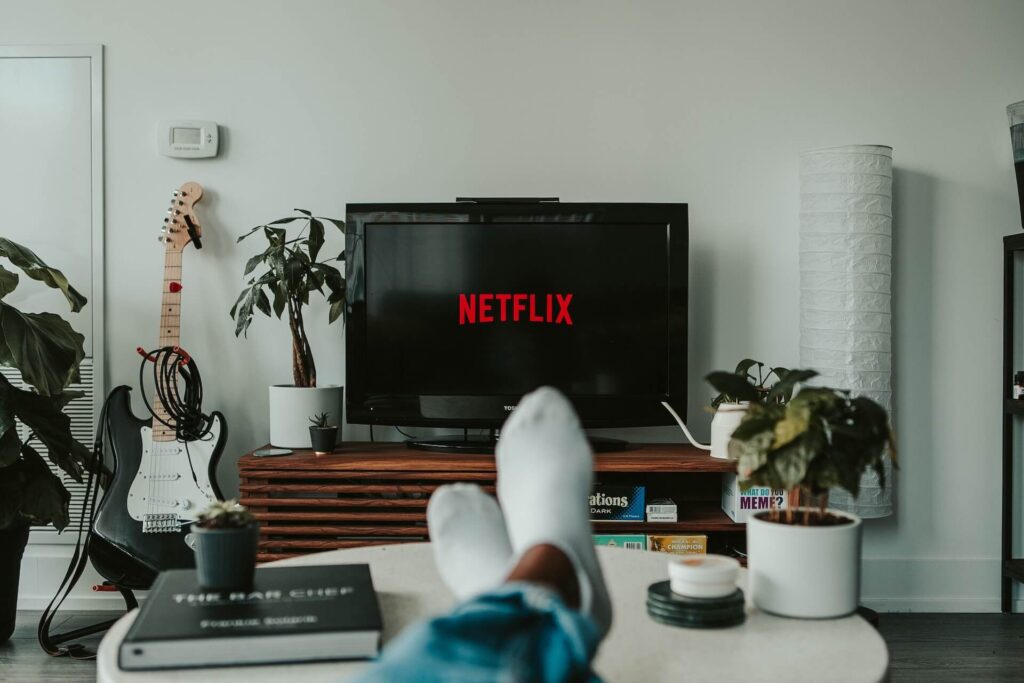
(594,411)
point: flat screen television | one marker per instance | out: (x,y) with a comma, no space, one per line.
(456,310)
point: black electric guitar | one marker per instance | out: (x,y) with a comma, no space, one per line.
(160,483)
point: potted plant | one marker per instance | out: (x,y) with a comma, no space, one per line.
(227,536)
(804,561)
(46,351)
(737,390)
(291,274)
(322,436)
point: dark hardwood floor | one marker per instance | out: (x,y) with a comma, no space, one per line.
(930,648)
(942,648)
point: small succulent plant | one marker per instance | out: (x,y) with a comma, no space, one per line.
(225,514)
(319,420)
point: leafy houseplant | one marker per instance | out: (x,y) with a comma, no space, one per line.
(46,351)
(227,536)
(282,278)
(322,435)
(805,561)
(739,389)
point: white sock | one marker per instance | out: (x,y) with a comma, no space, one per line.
(545,474)
(467,531)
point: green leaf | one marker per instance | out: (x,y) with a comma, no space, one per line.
(43,347)
(44,416)
(262,302)
(743,367)
(252,263)
(8,282)
(280,298)
(337,308)
(243,313)
(316,238)
(788,379)
(45,501)
(339,224)
(732,385)
(10,445)
(283,221)
(36,269)
(304,212)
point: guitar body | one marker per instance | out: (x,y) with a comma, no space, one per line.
(142,523)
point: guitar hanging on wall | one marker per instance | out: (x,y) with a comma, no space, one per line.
(164,475)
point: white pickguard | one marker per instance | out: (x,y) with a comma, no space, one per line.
(164,492)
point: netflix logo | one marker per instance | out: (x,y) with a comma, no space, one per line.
(515,308)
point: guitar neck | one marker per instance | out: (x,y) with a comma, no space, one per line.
(170,333)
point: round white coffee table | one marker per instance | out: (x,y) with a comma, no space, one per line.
(764,648)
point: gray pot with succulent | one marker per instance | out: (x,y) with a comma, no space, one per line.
(323,436)
(292,273)
(804,560)
(46,352)
(227,536)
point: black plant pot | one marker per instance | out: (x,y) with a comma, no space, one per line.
(12,547)
(226,558)
(323,439)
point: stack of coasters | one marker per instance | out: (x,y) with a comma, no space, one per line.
(673,609)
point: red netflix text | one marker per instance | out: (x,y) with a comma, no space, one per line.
(515,308)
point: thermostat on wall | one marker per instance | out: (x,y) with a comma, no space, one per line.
(187,139)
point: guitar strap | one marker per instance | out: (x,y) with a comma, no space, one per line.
(54,644)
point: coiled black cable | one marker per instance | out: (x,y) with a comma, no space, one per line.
(183,409)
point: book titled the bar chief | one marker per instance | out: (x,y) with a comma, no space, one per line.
(292,614)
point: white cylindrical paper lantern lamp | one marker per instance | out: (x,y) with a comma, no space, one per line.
(846,285)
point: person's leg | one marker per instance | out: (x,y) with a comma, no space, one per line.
(545,621)
(471,547)
(545,475)
(525,630)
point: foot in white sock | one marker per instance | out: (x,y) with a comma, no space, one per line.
(471,547)
(545,473)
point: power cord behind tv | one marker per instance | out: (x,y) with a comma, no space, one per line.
(682,425)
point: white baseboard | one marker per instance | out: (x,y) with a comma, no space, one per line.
(887,584)
(933,585)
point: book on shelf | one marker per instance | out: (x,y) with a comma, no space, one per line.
(617,503)
(740,504)
(291,614)
(627,541)
(688,544)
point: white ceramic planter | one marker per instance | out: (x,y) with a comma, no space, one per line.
(808,572)
(291,407)
(727,418)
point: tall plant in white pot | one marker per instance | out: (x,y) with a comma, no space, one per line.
(739,389)
(292,272)
(804,561)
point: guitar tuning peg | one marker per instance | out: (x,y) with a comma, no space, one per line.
(161,239)
(176,193)
(166,219)
(163,228)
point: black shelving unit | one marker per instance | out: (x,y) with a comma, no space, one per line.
(1013,409)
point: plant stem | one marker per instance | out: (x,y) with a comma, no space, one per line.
(300,347)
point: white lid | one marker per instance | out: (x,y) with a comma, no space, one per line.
(704,568)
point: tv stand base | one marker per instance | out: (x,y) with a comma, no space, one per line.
(486,445)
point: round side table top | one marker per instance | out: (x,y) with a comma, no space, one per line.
(763,648)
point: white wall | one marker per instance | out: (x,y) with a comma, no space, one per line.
(328,102)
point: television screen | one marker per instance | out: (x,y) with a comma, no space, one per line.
(456,313)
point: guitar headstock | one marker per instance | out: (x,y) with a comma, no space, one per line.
(181,225)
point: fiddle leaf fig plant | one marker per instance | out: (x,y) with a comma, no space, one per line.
(292,272)
(820,439)
(46,351)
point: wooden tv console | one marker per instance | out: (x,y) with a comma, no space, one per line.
(376,493)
